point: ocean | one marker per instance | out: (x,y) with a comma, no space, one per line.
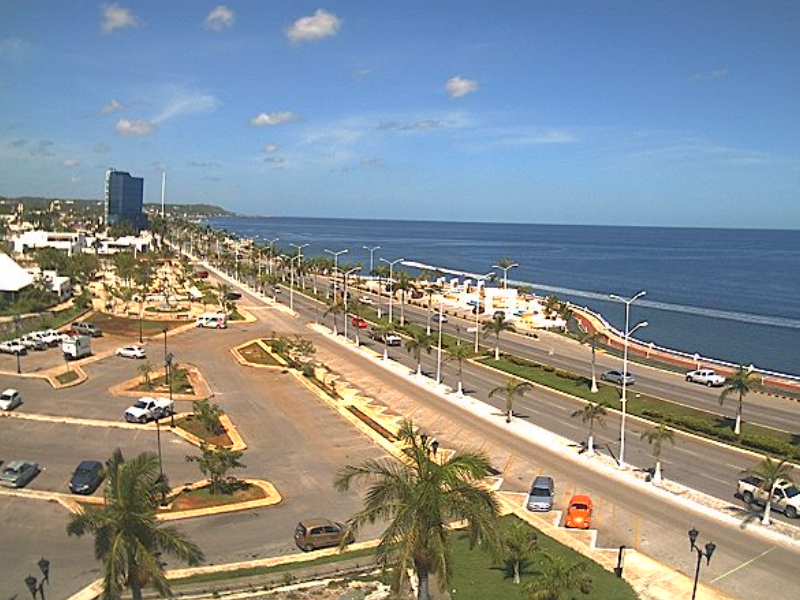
(731,294)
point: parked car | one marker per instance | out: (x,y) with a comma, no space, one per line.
(32,342)
(233,295)
(87,477)
(390,339)
(202,274)
(365,300)
(212,320)
(617,377)
(785,497)
(132,352)
(18,473)
(13,347)
(10,399)
(579,512)
(86,329)
(359,322)
(705,377)
(436,318)
(542,494)
(311,534)
(49,337)
(75,347)
(147,409)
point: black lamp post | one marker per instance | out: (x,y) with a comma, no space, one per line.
(19,365)
(168,373)
(36,586)
(709,550)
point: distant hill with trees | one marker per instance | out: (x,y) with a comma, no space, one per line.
(36,203)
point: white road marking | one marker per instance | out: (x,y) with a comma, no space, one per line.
(744,564)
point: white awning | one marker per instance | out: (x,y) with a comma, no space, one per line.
(13,278)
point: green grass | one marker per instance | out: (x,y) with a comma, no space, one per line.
(111,324)
(477,577)
(66,377)
(47,321)
(254,353)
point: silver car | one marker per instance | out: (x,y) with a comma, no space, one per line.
(617,377)
(542,494)
(18,473)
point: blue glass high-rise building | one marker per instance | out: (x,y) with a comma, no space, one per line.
(125,200)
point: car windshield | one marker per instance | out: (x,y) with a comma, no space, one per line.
(540,492)
(580,506)
(140,404)
(791,492)
(11,471)
(6,396)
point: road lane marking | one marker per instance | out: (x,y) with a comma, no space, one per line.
(744,564)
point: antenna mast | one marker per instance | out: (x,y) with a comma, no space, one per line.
(163,186)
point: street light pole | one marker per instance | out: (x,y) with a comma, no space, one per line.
(335,254)
(478,279)
(371,257)
(624,398)
(296,258)
(439,346)
(505,272)
(346,316)
(35,586)
(709,551)
(391,264)
(271,253)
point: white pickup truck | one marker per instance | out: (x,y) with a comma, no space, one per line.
(147,409)
(705,377)
(785,496)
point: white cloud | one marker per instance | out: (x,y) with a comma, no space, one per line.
(270,119)
(270,148)
(70,163)
(116,17)
(318,26)
(135,127)
(458,87)
(220,18)
(111,106)
(185,102)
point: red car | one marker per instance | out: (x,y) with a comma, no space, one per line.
(579,512)
(358,322)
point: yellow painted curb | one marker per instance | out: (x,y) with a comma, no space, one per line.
(199,384)
(272,498)
(237,442)
(243,361)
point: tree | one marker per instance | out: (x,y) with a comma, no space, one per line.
(418,497)
(125,266)
(223,289)
(402,283)
(741,383)
(128,538)
(335,307)
(557,579)
(592,413)
(207,414)
(519,542)
(459,353)
(215,462)
(357,309)
(418,343)
(498,325)
(592,339)
(431,290)
(771,472)
(511,390)
(656,437)
(144,370)
(551,306)
(383,330)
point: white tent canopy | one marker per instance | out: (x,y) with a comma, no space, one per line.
(13,278)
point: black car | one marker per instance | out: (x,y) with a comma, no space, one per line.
(87,477)
(233,295)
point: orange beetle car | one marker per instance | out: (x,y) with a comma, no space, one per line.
(579,512)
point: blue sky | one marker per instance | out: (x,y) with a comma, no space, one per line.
(636,113)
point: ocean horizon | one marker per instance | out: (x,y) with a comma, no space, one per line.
(724,293)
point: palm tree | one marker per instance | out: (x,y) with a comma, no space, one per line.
(381,273)
(430,290)
(498,325)
(383,331)
(402,282)
(418,343)
(592,413)
(418,497)
(335,307)
(511,390)
(357,309)
(741,383)
(460,352)
(128,538)
(519,542)
(557,579)
(592,339)
(771,472)
(551,305)
(223,289)
(656,437)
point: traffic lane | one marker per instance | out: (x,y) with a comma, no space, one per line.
(59,448)
(30,530)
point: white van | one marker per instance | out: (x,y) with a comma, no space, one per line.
(212,320)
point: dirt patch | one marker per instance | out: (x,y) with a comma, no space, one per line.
(159,385)
(254,353)
(203,498)
(196,428)
(113,325)
(67,377)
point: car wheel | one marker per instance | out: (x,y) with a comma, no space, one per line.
(308,547)
(748,497)
(709,384)
(143,420)
(790,512)
(689,379)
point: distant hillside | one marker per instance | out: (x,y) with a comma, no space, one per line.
(38,203)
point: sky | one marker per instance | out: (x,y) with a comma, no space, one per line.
(635,112)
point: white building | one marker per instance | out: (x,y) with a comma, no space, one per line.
(65,241)
(13,278)
(107,246)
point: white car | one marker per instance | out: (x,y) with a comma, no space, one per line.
(705,377)
(13,347)
(365,300)
(132,352)
(10,399)
(49,337)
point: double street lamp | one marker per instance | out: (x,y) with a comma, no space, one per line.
(294,268)
(371,258)
(505,269)
(479,279)
(335,254)
(624,398)
(271,253)
(701,554)
(35,586)
(391,264)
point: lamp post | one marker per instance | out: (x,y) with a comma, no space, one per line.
(505,272)
(479,278)
(271,254)
(709,550)
(439,344)
(36,586)
(294,268)
(624,398)
(391,264)
(335,254)
(346,275)
(168,360)
(371,257)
